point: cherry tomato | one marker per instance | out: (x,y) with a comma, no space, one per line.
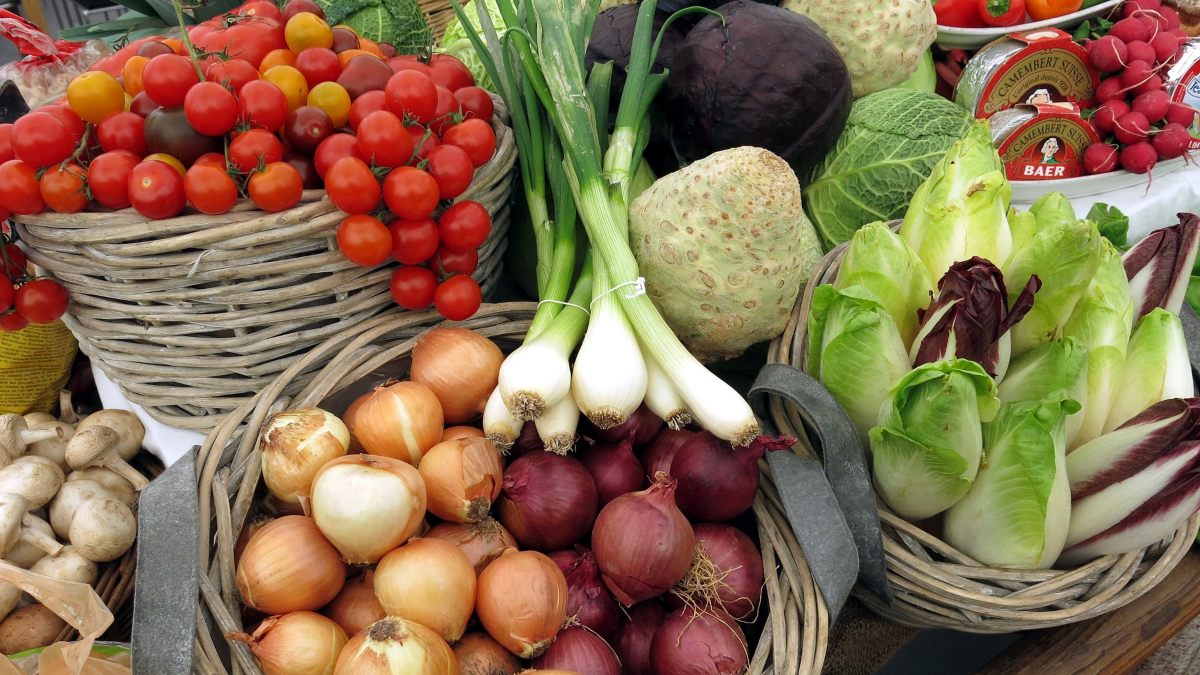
(449,72)
(290,82)
(476,137)
(12,322)
(1001,12)
(6,148)
(448,262)
(19,191)
(263,105)
(465,226)
(296,6)
(372,101)
(1040,10)
(233,74)
(41,140)
(156,189)
(411,94)
(68,118)
(364,240)
(210,108)
(143,105)
(447,112)
(351,186)
(424,142)
(254,148)
(262,8)
(475,102)
(332,149)
(318,65)
(167,78)
(131,74)
(413,241)
(410,192)
(209,189)
(277,187)
(249,38)
(452,169)
(304,165)
(383,140)
(957,13)
(41,301)
(108,178)
(306,30)
(62,188)
(95,95)
(8,293)
(168,131)
(213,159)
(122,131)
(409,62)
(277,57)
(458,297)
(344,39)
(17,262)
(333,100)
(153,49)
(413,287)
(387,49)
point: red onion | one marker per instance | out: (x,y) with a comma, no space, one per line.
(638,429)
(691,642)
(527,441)
(548,502)
(581,651)
(658,455)
(727,570)
(633,639)
(643,543)
(588,601)
(717,482)
(614,469)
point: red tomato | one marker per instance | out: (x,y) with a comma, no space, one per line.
(156,189)
(452,169)
(8,293)
(364,240)
(62,188)
(957,13)
(465,226)
(424,141)
(475,102)
(213,159)
(303,164)
(371,101)
(413,241)
(449,72)
(332,149)
(234,74)
(306,127)
(260,8)
(254,148)
(69,119)
(351,186)
(17,262)
(167,78)
(263,105)
(458,297)
(210,109)
(476,137)
(412,94)
(123,131)
(1001,12)
(413,287)
(41,301)
(277,187)
(6,148)
(250,39)
(143,105)
(317,65)
(383,140)
(448,262)
(408,62)
(12,322)
(19,191)
(108,178)
(209,189)
(410,193)
(39,139)
(445,116)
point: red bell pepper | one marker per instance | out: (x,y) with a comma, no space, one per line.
(957,14)
(1001,12)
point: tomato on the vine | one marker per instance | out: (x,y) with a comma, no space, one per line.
(352,186)
(452,169)
(413,241)
(447,108)
(476,137)
(263,105)
(458,297)
(68,118)
(41,301)
(413,287)
(364,240)
(409,62)
(214,159)
(465,226)
(156,189)
(424,141)
(19,191)
(167,78)
(277,187)
(365,104)
(123,131)
(332,149)
(448,262)
(261,8)
(108,178)
(209,189)
(411,94)
(253,148)
(410,192)
(232,73)
(449,72)
(249,38)
(211,109)
(383,141)
(8,294)
(62,188)
(475,102)
(41,140)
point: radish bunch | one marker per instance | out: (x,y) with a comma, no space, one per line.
(1135,115)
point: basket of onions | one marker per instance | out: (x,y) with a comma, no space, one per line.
(368,525)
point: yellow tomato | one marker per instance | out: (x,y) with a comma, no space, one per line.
(95,95)
(168,160)
(131,74)
(128,101)
(277,57)
(291,82)
(332,98)
(306,30)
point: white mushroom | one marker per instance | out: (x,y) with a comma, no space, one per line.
(127,425)
(68,565)
(97,446)
(25,554)
(54,449)
(35,418)
(10,598)
(119,487)
(66,408)
(70,497)
(15,434)
(14,514)
(35,478)
(103,529)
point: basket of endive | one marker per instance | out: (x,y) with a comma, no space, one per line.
(1022,390)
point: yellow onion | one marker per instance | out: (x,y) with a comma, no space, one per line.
(294,445)
(462,479)
(349,417)
(481,542)
(356,607)
(522,602)
(394,646)
(454,433)
(479,654)
(367,505)
(428,581)
(288,566)
(461,367)
(400,420)
(297,643)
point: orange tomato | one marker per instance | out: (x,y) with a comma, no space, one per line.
(175,45)
(344,57)
(1040,10)
(277,57)
(370,46)
(131,74)
(291,82)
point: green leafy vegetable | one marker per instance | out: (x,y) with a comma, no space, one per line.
(1052,208)
(456,43)
(879,260)
(1156,367)
(1058,365)
(399,22)
(1112,223)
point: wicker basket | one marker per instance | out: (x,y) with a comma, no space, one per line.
(936,585)
(438,14)
(793,642)
(192,315)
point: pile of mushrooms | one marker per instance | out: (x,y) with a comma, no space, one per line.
(67,502)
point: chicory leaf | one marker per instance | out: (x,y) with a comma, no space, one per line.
(1059,365)
(1158,266)
(879,260)
(1052,208)
(1112,223)
(1119,454)
(1156,367)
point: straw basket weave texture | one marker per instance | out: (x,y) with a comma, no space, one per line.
(795,637)
(936,585)
(192,315)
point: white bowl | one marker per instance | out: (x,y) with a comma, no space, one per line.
(1027,191)
(973,38)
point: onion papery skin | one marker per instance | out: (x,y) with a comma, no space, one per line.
(717,482)
(588,601)
(455,433)
(481,542)
(462,479)
(367,505)
(479,654)
(400,420)
(461,367)
(350,418)
(699,643)
(521,601)
(295,445)
(528,440)
(549,501)
(428,581)
(297,643)
(356,607)
(581,651)
(393,645)
(660,453)
(635,635)
(614,469)
(288,566)
(643,543)
(641,427)
(727,571)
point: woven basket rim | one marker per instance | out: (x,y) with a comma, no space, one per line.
(937,586)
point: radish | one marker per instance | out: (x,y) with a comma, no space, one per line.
(1100,158)
(1170,17)
(1140,51)
(1110,90)
(1108,54)
(1152,104)
(1152,83)
(1181,114)
(1132,128)
(1172,141)
(1131,29)
(1134,6)
(1136,72)
(1165,47)
(1105,119)
(1180,33)
(1151,21)
(1138,157)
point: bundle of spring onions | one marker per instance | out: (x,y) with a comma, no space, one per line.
(572,167)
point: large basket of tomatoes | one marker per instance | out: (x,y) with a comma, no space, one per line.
(233,199)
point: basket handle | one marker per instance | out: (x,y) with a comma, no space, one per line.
(845,478)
